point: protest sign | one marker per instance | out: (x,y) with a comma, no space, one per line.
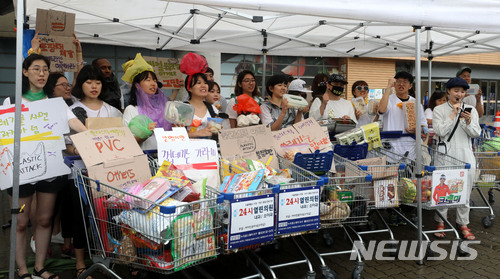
(56,30)
(95,123)
(306,131)
(177,134)
(450,187)
(254,142)
(43,124)
(113,156)
(167,70)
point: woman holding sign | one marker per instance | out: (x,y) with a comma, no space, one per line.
(35,75)
(456,124)
(147,103)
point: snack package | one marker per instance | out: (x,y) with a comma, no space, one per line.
(296,102)
(214,124)
(154,189)
(359,104)
(291,150)
(179,113)
(409,110)
(409,190)
(172,173)
(242,182)
(373,107)
(348,137)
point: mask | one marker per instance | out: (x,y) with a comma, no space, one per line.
(322,89)
(337,90)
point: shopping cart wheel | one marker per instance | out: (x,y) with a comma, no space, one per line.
(487,222)
(310,275)
(491,196)
(462,251)
(358,268)
(327,273)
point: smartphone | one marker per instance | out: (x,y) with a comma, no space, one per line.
(468,110)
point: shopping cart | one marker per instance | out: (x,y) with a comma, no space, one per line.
(487,153)
(125,229)
(344,199)
(284,211)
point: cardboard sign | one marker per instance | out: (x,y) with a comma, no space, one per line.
(55,23)
(95,123)
(306,131)
(177,134)
(43,125)
(61,51)
(254,142)
(450,187)
(167,70)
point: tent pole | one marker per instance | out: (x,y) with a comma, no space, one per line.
(17,137)
(264,70)
(429,78)
(418,140)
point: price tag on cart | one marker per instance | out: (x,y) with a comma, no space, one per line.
(251,221)
(298,210)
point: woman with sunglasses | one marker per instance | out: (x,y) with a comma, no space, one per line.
(360,89)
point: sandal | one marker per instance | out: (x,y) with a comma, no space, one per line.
(26,275)
(38,274)
(440,235)
(466,234)
(80,271)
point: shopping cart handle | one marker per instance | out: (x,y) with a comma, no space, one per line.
(323,180)
(467,166)
(228,196)
(69,160)
(167,209)
(220,199)
(402,166)
(150,152)
(276,188)
(430,168)
(369,178)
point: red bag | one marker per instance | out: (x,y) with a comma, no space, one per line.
(191,64)
(246,104)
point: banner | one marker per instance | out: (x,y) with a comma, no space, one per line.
(167,70)
(43,125)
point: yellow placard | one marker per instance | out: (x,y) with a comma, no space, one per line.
(372,135)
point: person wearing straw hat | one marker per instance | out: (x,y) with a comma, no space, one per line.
(456,124)
(147,103)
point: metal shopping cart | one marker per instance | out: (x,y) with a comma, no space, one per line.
(125,229)
(344,201)
(262,217)
(487,153)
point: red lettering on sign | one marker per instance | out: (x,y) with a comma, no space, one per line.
(109,144)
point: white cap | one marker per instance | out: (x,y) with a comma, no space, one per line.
(298,85)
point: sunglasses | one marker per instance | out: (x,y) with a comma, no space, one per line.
(359,88)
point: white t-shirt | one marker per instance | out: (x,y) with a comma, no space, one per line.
(131,112)
(394,120)
(204,121)
(428,113)
(340,108)
(471,100)
(105,111)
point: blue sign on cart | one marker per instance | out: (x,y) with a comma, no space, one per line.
(298,210)
(251,221)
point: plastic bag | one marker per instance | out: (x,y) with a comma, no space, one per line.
(246,104)
(193,63)
(139,126)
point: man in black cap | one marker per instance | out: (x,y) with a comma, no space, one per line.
(332,105)
(473,100)
(390,107)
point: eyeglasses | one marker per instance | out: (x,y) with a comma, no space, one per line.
(359,88)
(65,85)
(403,81)
(37,70)
(249,80)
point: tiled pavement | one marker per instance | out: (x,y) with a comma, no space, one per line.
(486,265)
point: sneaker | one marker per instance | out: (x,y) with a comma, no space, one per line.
(57,239)
(68,252)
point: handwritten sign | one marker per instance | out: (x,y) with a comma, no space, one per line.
(450,187)
(251,221)
(167,70)
(177,134)
(43,124)
(60,51)
(306,131)
(56,23)
(298,210)
(254,142)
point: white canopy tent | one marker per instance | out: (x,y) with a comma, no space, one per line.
(339,28)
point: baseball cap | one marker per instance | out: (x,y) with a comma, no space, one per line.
(337,78)
(298,85)
(404,75)
(457,82)
(463,70)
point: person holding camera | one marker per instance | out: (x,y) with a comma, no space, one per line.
(456,123)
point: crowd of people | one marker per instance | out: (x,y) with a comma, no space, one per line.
(96,92)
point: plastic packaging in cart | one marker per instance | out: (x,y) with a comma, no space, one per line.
(354,135)
(139,126)
(409,112)
(242,182)
(179,113)
(296,102)
(291,150)
(214,124)
(409,190)
(373,107)
(359,104)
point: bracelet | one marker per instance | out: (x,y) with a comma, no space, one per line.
(78,52)
(31,51)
